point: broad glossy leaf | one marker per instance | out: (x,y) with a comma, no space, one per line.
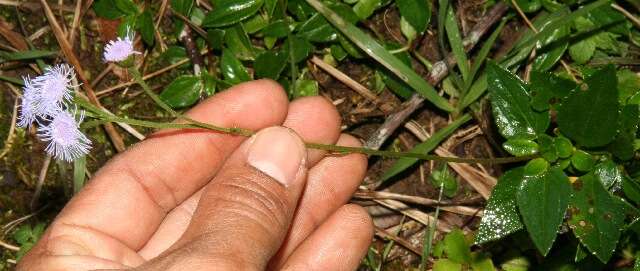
(416,12)
(511,105)
(276,29)
(269,64)
(582,160)
(501,216)
(548,89)
(608,173)
(300,9)
(520,147)
(623,145)
(542,201)
(232,69)
(425,147)
(564,148)
(456,247)
(317,29)
(595,217)
(589,115)
(215,38)
(551,49)
(529,5)
(228,12)
(238,42)
(182,92)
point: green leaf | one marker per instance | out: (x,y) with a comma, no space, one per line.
(590,123)
(146,26)
(455,41)
(425,147)
(182,6)
(128,7)
(239,43)
(446,265)
(582,51)
(301,48)
(552,48)
(232,69)
(364,8)
(300,9)
(547,148)
(25,55)
(377,52)
(306,88)
(582,160)
(631,189)
(416,12)
(608,173)
(276,29)
(269,64)
(184,91)
(482,262)
(456,247)
(564,148)
(542,201)
(228,12)
(511,105)
(628,84)
(636,265)
(501,216)
(536,166)
(520,147)
(107,9)
(560,19)
(595,217)
(208,84)
(548,89)
(443,178)
(215,38)
(623,145)
(317,29)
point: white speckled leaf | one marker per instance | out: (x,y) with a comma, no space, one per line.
(501,215)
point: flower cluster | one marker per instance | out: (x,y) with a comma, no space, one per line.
(121,49)
(45,100)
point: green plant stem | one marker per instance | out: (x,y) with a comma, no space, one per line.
(194,124)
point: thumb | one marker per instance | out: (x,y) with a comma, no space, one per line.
(244,213)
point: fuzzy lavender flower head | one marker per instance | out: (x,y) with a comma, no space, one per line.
(27,112)
(120,49)
(51,92)
(66,141)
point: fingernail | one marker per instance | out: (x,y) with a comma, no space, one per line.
(279,153)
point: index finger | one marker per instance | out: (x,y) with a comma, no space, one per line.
(129,197)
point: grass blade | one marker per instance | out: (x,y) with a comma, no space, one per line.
(455,41)
(377,52)
(79,171)
(484,52)
(428,238)
(425,147)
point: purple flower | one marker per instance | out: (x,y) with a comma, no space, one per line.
(66,142)
(27,112)
(120,49)
(51,91)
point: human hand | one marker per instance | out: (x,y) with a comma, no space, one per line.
(201,200)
